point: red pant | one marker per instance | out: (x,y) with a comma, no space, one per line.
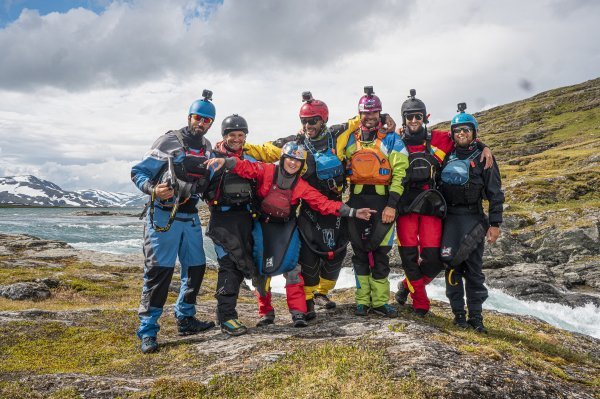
(419,237)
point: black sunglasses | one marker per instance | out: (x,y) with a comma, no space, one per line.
(418,116)
(460,129)
(311,121)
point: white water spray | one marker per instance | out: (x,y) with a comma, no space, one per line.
(584,319)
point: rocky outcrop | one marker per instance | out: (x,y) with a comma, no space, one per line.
(412,347)
(28,290)
(547,264)
(449,361)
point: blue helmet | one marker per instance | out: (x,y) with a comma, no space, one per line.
(293,150)
(462,118)
(204,107)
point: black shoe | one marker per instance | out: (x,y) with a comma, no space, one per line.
(299,320)
(233,327)
(385,310)
(310,310)
(402,294)
(324,301)
(477,324)
(190,325)
(421,312)
(361,310)
(266,320)
(460,320)
(149,345)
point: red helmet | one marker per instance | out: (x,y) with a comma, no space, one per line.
(312,107)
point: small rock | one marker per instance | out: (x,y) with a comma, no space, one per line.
(25,291)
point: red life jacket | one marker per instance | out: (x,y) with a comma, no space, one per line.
(277,203)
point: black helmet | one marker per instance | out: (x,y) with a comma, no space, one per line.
(413,105)
(232,123)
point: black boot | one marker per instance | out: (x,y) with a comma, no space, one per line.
(299,320)
(149,345)
(310,309)
(266,320)
(324,301)
(477,324)
(190,325)
(460,320)
(402,294)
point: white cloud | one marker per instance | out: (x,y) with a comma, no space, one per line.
(80,88)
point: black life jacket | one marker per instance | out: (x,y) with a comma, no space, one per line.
(460,184)
(192,175)
(423,167)
(230,190)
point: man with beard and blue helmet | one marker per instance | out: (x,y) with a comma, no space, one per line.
(173,174)
(465,183)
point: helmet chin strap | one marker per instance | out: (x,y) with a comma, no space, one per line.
(369,131)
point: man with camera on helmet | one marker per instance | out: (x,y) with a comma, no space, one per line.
(465,183)
(376,163)
(173,174)
(421,207)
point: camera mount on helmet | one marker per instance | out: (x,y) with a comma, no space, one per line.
(207,95)
(461,107)
(413,93)
(369,90)
(307,97)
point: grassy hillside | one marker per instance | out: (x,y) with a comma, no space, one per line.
(547,147)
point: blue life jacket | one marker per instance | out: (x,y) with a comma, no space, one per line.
(456,171)
(327,164)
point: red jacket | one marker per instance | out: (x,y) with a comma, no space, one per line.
(264,174)
(441,144)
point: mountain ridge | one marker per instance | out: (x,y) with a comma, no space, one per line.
(29,190)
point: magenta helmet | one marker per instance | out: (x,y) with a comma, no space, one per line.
(369,102)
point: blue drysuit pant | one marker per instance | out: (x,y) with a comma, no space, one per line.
(161,249)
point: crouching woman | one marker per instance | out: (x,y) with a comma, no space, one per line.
(276,239)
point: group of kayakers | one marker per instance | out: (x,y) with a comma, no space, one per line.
(276,209)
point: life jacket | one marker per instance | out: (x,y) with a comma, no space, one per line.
(458,186)
(369,165)
(192,175)
(329,170)
(423,167)
(277,206)
(230,190)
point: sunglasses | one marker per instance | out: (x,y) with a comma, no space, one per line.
(460,129)
(311,121)
(201,119)
(418,116)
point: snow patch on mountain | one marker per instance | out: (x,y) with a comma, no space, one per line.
(30,190)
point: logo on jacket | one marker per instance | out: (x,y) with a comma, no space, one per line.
(446,251)
(329,237)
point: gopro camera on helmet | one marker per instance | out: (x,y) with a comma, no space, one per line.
(307,96)
(462,107)
(369,90)
(413,93)
(207,94)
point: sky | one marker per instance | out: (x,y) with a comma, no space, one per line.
(86,87)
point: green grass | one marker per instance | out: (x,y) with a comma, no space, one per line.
(532,345)
(324,371)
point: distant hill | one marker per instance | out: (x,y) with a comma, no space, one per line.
(32,191)
(548,149)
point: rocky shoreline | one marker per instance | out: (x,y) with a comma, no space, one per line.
(64,296)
